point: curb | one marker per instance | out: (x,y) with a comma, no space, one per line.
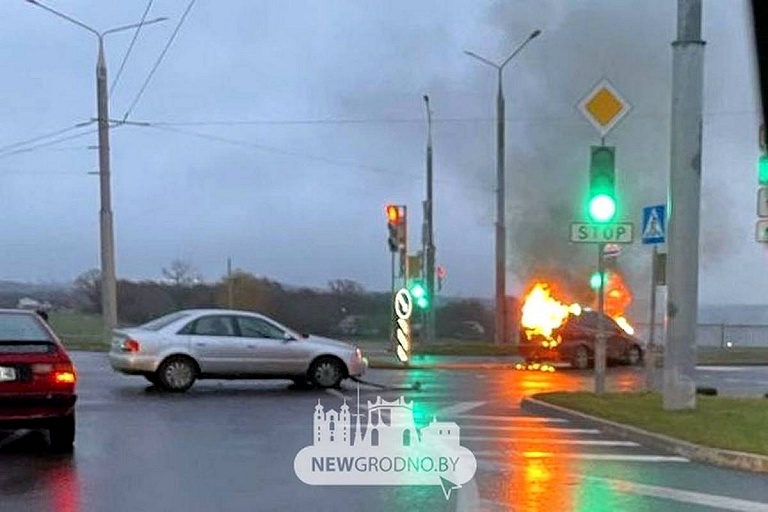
(714,456)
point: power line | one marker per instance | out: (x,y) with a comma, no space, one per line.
(306,156)
(48,135)
(159,60)
(46,144)
(130,47)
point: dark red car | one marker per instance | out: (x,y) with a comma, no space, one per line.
(578,337)
(37,379)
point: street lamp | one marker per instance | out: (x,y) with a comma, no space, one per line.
(501,256)
(108,276)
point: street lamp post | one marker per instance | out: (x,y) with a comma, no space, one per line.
(429,235)
(108,274)
(501,236)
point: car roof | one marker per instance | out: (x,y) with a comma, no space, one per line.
(19,311)
(217,311)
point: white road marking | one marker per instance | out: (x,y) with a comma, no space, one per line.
(457,409)
(683,496)
(589,456)
(530,428)
(581,442)
(511,419)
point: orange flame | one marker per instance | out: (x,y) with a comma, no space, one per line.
(618,297)
(542,313)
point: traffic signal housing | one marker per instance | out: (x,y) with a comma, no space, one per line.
(601,205)
(396,224)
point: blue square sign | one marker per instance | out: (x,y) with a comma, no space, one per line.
(654,224)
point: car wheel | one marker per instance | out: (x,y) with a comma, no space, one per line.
(177,374)
(62,434)
(326,372)
(581,358)
(634,355)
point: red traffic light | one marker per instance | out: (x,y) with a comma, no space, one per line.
(393,214)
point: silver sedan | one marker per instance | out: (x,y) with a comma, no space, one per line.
(176,349)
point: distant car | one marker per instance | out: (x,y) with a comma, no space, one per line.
(37,379)
(578,338)
(175,350)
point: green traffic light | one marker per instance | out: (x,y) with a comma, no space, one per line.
(419,294)
(602,208)
(594,281)
(762,169)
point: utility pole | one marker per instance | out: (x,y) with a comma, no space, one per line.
(230,285)
(108,273)
(501,232)
(679,390)
(429,235)
(106,230)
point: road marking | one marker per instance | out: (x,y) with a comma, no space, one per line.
(680,495)
(457,409)
(511,419)
(531,428)
(581,442)
(589,456)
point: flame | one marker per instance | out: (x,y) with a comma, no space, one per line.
(542,313)
(618,297)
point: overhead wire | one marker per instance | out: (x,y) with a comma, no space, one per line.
(130,47)
(158,61)
(48,135)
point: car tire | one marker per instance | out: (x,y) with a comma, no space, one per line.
(177,374)
(326,372)
(581,358)
(634,356)
(62,434)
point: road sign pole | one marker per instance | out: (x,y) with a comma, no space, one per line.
(600,345)
(650,352)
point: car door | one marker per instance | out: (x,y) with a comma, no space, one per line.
(216,345)
(272,350)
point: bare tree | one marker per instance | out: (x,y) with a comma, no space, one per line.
(181,273)
(88,285)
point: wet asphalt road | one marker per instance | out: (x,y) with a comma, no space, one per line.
(230,446)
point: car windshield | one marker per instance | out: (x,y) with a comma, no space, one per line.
(163,321)
(17,327)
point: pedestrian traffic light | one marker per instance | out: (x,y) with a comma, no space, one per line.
(602,187)
(396,223)
(762,169)
(419,294)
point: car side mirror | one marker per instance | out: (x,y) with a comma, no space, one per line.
(288,337)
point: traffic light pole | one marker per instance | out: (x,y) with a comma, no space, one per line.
(600,345)
(501,230)
(429,241)
(650,352)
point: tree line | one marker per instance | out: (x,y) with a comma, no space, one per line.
(342,307)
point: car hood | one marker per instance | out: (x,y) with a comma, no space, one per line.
(328,343)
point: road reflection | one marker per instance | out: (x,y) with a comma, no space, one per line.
(30,475)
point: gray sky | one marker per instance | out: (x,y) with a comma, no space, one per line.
(300,197)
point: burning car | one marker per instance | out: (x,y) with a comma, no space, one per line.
(554,331)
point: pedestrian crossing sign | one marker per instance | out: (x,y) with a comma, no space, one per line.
(654,225)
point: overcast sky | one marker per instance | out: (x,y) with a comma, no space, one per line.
(322,124)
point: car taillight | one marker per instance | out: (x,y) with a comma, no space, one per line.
(61,373)
(130,345)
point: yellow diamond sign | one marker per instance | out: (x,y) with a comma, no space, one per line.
(604,107)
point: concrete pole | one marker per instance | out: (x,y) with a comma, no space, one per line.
(679,390)
(429,241)
(108,275)
(501,236)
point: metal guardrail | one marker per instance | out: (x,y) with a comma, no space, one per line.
(715,335)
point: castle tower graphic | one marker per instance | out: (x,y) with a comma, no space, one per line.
(389,425)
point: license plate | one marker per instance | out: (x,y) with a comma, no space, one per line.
(7,374)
